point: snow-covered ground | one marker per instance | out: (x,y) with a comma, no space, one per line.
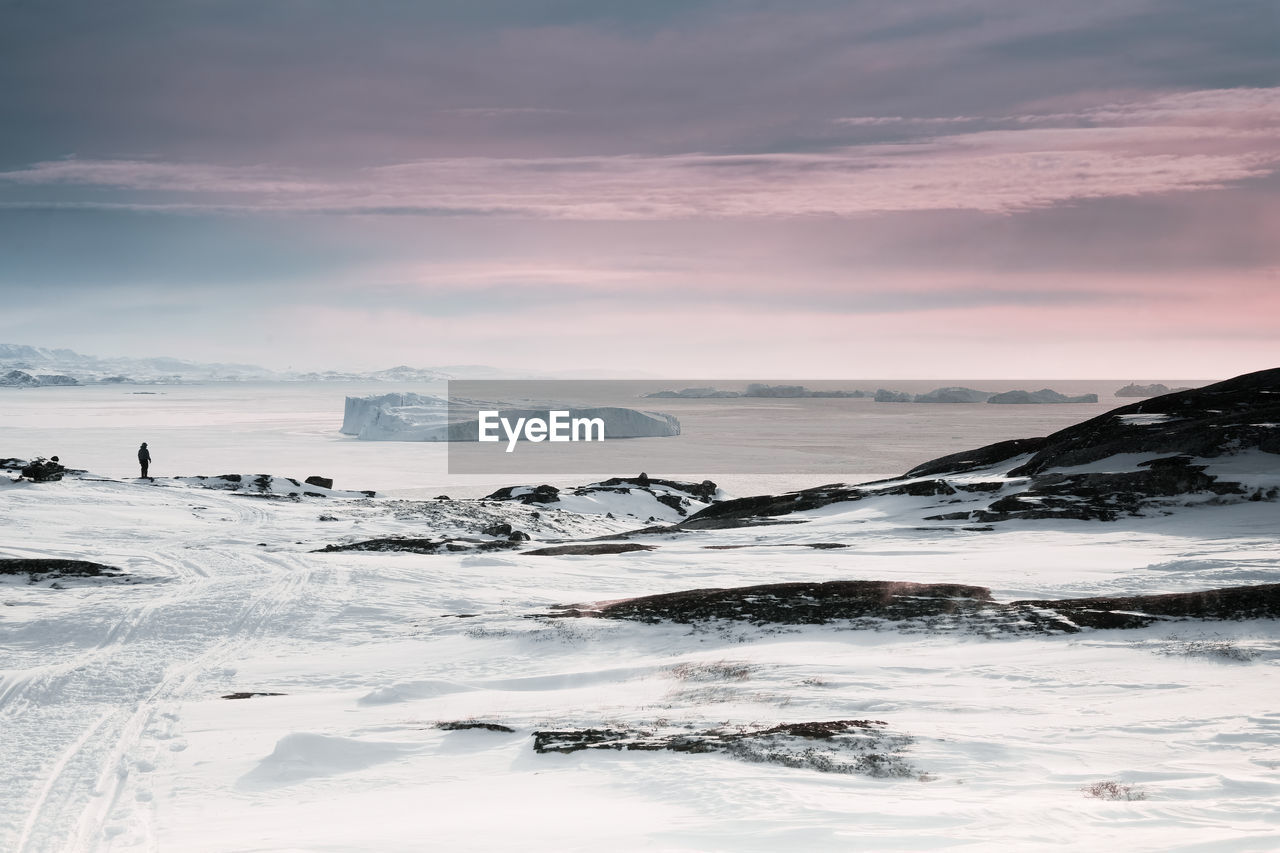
(114,735)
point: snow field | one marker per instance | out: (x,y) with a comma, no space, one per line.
(116,738)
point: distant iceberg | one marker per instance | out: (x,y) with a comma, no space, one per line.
(692,394)
(1044,395)
(755,389)
(954,395)
(1154,390)
(421,417)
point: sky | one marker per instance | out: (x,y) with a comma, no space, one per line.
(808,188)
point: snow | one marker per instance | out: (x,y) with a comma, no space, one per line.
(1252,469)
(1144,418)
(116,738)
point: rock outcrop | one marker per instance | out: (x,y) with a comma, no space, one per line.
(865,747)
(1225,417)
(933,607)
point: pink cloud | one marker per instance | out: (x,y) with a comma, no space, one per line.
(1175,327)
(1171,143)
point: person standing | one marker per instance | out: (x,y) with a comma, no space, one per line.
(144,459)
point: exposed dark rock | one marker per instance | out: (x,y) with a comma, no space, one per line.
(41,470)
(251,695)
(762,509)
(465,725)
(41,568)
(831,746)
(959,515)
(591,549)
(421,546)
(679,504)
(501,529)
(322,482)
(1105,496)
(704,491)
(742,512)
(920,488)
(797,603)
(982,457)
(933,607)
(518,536)
(979,487)
(1134,611)
(543,494)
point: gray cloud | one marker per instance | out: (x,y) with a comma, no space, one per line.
(334,82)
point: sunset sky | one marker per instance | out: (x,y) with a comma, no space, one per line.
(976,188)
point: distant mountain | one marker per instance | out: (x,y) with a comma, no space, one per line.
(22,379)
(88,369)
(29,366)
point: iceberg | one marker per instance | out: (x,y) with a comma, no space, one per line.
(397,417)
(1044,395)
(420,417)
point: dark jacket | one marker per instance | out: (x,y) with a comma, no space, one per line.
(144,455)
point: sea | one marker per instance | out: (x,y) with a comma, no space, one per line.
(747,446)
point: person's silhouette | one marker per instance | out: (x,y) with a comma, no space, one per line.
(144,458)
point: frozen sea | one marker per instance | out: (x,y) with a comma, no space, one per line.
(291,429)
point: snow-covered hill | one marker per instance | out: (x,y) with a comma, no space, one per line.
(75,368)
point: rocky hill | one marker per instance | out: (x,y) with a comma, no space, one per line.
(1219,443)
